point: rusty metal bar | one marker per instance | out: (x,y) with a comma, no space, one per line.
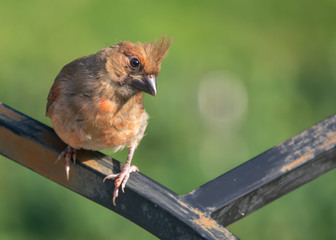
(268,176)
(145,202)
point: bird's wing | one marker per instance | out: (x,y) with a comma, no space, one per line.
(53,95)
(66,74)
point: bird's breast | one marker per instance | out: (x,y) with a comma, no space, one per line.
(115,124)
(107,106)
(103,123)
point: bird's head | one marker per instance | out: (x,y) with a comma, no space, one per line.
(134,67)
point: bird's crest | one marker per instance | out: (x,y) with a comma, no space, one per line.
(150,53)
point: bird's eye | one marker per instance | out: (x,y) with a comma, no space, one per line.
(135,63)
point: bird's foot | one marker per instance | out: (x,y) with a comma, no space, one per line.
(121,180)
(67,154)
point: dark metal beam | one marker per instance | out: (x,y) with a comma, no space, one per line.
(145,202)
(268,176)
(202,213)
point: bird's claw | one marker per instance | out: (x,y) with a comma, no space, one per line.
(121,180)
(67,153)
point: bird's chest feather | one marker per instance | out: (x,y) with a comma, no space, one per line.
(102,123)
(118,124)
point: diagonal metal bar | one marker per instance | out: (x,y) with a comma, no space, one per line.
(202,213)
(145,202)
(268,176)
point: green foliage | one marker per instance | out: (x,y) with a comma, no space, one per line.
(268,71)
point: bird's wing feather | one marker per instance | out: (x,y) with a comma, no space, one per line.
(53,95)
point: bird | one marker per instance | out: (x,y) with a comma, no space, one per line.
(96,101)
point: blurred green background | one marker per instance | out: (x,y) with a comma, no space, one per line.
(240,77)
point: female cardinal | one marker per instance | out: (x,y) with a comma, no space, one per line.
(96,101)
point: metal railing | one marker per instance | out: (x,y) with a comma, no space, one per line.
(201,214)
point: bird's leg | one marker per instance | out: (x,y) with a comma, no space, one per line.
(68,153)
(123,176)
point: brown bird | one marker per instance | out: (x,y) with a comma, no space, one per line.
(96,101)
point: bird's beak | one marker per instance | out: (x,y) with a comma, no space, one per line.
(148,84)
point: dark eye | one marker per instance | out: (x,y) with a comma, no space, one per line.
(135,63)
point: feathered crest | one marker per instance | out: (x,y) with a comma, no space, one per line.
(150,53)
(158,49)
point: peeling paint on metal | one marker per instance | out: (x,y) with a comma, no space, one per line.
(205,221)
(297,162)
(330,142)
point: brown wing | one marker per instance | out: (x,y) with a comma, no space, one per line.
(53,95)
(66,73)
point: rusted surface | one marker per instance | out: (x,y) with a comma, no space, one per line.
(203,220)
(145,202)
(297,162)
